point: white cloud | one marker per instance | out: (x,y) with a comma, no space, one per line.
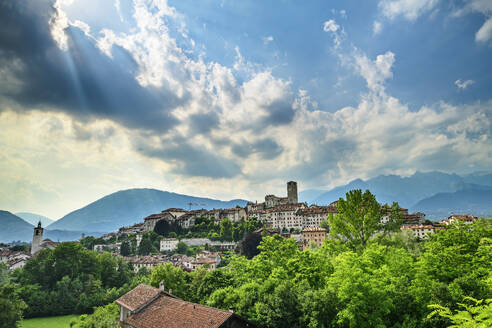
(375,72)
(330,26)
(267,39)
(463,84)
(247,103)
(335,30)
(377,27)
(409,9)
(485,32)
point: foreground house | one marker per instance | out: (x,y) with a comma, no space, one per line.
(149,307)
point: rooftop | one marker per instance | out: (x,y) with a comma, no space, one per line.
(183,314)
(138,297)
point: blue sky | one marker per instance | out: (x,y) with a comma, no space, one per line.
(233,98)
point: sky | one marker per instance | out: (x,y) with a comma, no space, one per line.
(231,99)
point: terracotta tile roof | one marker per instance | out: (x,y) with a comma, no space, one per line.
(138,297)
(314,229)
(158,314)
(317,210)
(174,209)
(153,216)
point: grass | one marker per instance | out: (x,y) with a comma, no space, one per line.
(49,322)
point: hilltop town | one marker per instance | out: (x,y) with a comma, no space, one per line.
(284,216)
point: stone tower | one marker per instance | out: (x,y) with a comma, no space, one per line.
(37,238)
(292,192)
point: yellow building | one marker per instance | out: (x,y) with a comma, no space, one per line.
(313,234)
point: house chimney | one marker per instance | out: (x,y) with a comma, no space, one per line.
(161,285)
(170,291)
(231,309)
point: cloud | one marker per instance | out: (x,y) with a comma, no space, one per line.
(60,68)
(335,30)
(463,84)
(409,9)
(484,34)
(377,27)
(375,72)
(267,39)
(330,26)
(145,109)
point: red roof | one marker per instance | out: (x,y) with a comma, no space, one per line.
(175,313)
(138,297)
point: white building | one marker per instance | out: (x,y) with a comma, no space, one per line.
(169,244)
(421,231)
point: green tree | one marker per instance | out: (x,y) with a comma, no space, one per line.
(359,218)
(173,278)
(103,317)
(11,307)
(475,314)
(181,247)
(145,246)
(226,229)
(125,248)
(4,273)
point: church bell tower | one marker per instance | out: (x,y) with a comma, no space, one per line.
(37,238)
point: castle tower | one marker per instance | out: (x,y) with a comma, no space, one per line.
(292,192)
(37,238)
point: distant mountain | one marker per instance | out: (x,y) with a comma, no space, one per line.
(127,207)
(407,191)
(35,218)
(309,195)
(477,202)
(13,228)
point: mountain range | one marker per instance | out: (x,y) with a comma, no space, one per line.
(435,193)
(35,218)
(15,228)
(131,206)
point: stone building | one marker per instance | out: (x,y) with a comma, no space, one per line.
(168,244)
(313,234)
(38,244)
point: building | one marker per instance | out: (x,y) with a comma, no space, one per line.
(38,244)
(465,218)
(149,262)
(169,244)
(272,201)
(149,307)
(151,220)
(116,247)
(313,234)
(314,215)
(421,231)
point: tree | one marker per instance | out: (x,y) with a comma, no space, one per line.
(476,314)
(182,247)
(125,248)
(145,245)
(226,229)
(103,317)
(4,273)
(11,307)
(359,218)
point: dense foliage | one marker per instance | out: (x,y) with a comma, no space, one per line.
(70,279)
(388,283)
(361,278)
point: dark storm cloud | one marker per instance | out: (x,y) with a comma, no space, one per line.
(280,112)
(81,81)
(203,123)
(190,160)
(267,148)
